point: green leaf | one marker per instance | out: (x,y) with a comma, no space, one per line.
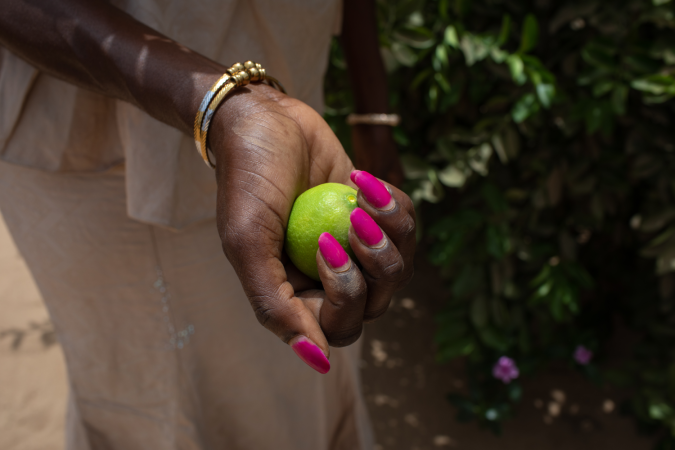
(442,81)
(460,347)
(403,54)
(662,238)
(602,87)
(655,84)
(497,241)
(421,77)
(478,158)
(660,411)
(619,98)
(498,145)
(494,338)
(416,37)
(505,31)
(525,108)
(452,176)
(656,99)
(598,56)
(641,63)
(450,36)
(432,95)
(530,34)
(415,168)
(517,69)
(599,117)
(545,92)
(474,49)
(498,56)
(440,57)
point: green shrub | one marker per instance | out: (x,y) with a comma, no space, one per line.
(538,143)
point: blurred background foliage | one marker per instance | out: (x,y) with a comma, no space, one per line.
(538,145)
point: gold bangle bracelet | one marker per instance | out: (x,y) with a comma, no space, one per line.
(236,76)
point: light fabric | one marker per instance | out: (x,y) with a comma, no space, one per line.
(162,347)
(48,124)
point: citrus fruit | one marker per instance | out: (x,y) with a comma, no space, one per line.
(323,209)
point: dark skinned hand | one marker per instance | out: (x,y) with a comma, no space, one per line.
(269,149)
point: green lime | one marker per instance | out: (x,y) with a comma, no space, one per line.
(322,209)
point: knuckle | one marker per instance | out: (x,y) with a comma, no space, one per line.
(406,228)
(343,338)
(263,312)
(373,315)
(345,292)
(393,271)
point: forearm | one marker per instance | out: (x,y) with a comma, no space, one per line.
(360,44)
(96,46)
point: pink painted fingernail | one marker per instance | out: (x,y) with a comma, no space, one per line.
(332,251)
(372,188)
(311,354)
(366,228)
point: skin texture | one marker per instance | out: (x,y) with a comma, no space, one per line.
(269,148)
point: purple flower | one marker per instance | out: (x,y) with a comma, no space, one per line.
(582,355)
(505,369)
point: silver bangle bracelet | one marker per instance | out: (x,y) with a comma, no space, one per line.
(391,120)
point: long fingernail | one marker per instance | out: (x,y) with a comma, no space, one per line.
(372,188)
(332,251)
(366,228)
(311,354)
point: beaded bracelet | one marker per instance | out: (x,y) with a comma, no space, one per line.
(236,76)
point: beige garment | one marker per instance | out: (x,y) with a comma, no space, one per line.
(162,347)
(48,124)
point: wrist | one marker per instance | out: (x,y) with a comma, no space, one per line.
(187,97)
(239,104)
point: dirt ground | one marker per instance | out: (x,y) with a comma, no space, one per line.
(404,387)
(32,371)
(405,390)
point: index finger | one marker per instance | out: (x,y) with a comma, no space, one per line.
(254,251)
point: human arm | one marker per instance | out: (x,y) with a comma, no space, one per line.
(374,146)
(96,46)
(269,148)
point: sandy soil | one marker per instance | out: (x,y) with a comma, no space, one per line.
(32,372)
(404,387)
